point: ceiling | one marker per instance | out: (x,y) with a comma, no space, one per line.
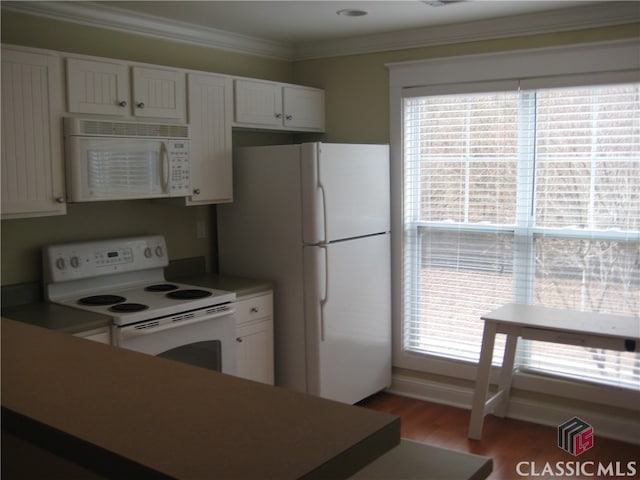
(305,21)
(296,30)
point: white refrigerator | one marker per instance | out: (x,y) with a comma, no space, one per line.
(314,218)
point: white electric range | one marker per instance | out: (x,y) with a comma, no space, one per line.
(124,279)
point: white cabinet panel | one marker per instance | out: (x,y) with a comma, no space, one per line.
(303,108)
(278,106)
(32,157)
(105,87)
(254,352)
(210,115)
(254,341)
(258,103)
(158,92)
(97,87)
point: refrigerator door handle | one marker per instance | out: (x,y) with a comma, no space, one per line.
(324,211)
(325,297)
(324,199)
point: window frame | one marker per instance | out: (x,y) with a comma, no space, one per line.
(606,62)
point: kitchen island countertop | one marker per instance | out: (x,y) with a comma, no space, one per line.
(120,413)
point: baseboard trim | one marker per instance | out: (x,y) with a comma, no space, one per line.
(535,411)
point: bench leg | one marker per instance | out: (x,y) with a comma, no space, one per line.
(506,374)
(482,381)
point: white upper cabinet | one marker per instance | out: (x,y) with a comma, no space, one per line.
(303,108)
(97,87)
(210,115)
(258,103)
(277,106)
(158,92)
(114,88)
(32,155)
(33,105)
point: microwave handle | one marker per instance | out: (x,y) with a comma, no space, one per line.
(164,156)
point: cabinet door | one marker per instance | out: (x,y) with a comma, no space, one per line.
(258,103)
(159,93)
(32,157)
(303,108)
(210,114)
(254,342)
(254,352)
(97,87)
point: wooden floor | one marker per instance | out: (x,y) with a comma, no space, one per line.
(508,442)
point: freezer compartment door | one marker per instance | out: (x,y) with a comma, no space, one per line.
(348,318)
(345,191)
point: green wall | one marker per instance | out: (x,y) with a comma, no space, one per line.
(39,32)
(357,86)
(357,110)
(22,239)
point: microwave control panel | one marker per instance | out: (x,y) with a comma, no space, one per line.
(179,181)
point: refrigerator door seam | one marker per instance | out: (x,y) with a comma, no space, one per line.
(340,240)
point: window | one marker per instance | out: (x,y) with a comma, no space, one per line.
(528,196)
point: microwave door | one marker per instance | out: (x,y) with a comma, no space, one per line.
(104,169)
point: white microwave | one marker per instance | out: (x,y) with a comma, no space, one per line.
(113,160)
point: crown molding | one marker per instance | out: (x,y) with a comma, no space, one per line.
(97,15)
(113,18)
(588,16)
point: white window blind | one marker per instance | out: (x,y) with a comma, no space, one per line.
(522,196)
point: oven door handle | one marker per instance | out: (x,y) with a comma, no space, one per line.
(154,326)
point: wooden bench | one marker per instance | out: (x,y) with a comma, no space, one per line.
(569,327)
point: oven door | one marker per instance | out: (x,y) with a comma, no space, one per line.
(207,341)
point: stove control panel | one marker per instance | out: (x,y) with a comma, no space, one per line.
(76,261)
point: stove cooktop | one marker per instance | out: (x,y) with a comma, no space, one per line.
(145,302)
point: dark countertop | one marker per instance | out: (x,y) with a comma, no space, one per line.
(243,287)
(57,317)
(129,415)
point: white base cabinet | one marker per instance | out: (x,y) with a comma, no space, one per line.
(254,338)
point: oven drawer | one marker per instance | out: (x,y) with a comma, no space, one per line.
(254,308)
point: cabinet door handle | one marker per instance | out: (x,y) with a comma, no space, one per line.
(289,117)
(140,104)
(196,191)
(59,199)
(239,340)
(254,309)
(278,115)
(123,103)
